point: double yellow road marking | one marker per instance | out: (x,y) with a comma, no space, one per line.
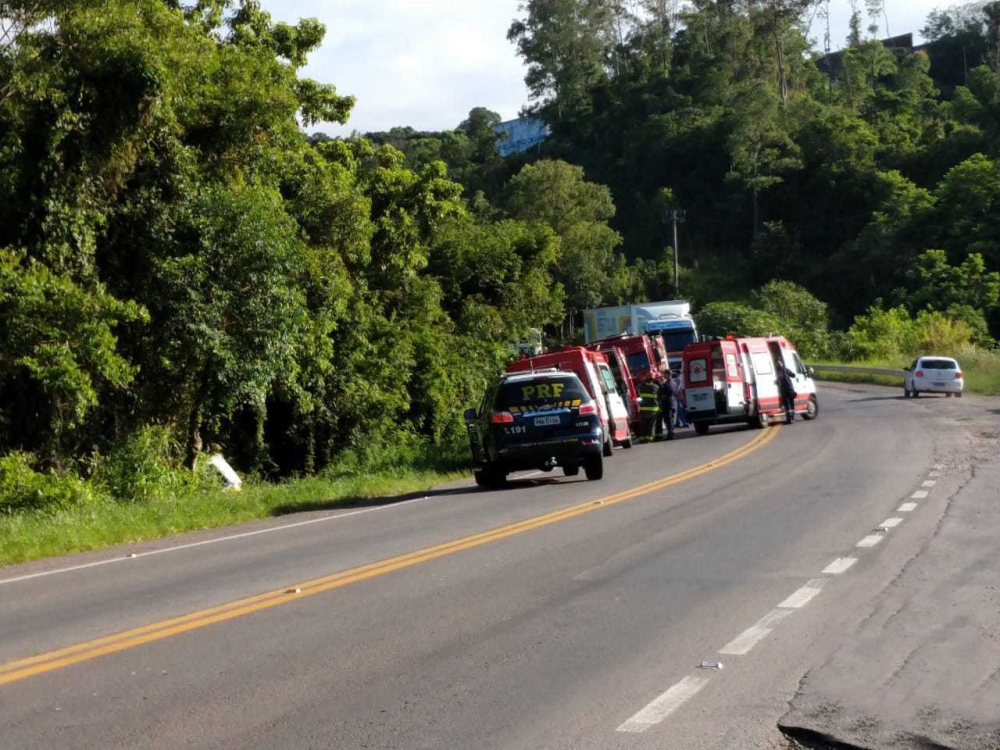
(52,660)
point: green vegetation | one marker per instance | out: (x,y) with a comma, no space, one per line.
(55,514)
(181,266)
(980,369)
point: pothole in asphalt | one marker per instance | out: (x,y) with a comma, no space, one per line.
(812,740)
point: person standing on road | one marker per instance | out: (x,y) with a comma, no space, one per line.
(649,409)
(786,386)
(667,396)
(681,405)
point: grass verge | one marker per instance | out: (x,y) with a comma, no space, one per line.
(981,370)
(26,535)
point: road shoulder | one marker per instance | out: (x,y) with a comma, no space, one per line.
(920,665)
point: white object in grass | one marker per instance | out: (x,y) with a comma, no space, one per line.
(230,477)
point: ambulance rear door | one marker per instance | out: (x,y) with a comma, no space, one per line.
(736,402)
(765,378)
(619,412)
(698,387)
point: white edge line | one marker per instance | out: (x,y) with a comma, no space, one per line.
(891,523)
(919,495)
(870,541)
(204,542)
(660,708)
(906,508)
(840,565)
(804,595)
(929,483)
(745,641)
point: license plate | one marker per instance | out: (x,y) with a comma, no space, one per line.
(545,421)
(938,384)
(701,397)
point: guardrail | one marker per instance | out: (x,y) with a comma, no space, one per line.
(859,370)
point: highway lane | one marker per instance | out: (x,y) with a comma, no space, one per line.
(555,637)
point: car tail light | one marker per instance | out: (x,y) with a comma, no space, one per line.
(502,417)
(588,408)
(958,376)
(919,373)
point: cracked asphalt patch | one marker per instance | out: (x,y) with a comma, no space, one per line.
(921,666)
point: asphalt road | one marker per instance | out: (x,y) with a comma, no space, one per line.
(573,623)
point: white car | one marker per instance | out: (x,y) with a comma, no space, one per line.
(933,375)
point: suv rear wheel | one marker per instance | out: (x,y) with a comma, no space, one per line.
(594,467)
(491,475)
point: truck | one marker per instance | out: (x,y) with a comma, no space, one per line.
(671,320)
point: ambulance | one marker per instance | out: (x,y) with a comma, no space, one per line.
(597,377)
(736,380)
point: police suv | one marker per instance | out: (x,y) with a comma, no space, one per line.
(535,420)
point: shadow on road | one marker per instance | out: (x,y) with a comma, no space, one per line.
(354,503)
(876,398)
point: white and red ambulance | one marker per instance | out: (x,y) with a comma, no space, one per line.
(736,380)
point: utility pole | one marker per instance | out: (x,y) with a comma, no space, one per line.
(676,216)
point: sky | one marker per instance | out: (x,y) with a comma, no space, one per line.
(426,63)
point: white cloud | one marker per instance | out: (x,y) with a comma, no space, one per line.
(423,63)
(426,63)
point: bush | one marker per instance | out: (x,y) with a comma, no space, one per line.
(23,488)
(892,334)
(724,318)
(801,317)
(144,468)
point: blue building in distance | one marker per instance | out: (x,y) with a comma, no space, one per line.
(518,136)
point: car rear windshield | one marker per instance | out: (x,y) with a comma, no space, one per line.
(637,361)
(543,393)
(938,364)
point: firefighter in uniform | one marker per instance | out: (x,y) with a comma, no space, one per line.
(650,409)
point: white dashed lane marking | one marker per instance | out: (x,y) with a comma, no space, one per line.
(665,705)
(686,689)
(753,635)
(804,595)
(839,565)
(870,541)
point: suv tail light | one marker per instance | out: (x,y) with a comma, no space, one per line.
(919,373)
(588,408)
(958,376)
(502,417)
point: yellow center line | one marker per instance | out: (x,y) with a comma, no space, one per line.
(52,660)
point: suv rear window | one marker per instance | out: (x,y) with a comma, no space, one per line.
(542,393)
(938,364)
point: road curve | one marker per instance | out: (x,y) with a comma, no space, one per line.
(585,630)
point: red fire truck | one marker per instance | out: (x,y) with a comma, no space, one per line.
(735,380)
(643,354)
(597,377)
